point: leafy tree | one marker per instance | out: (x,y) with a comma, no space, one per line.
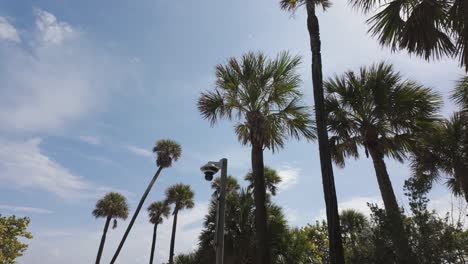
(189,258)
(166,151)
(181,196)
(272,179)
(157,212)
(430,29)
(12,230)
(231,185)
(328,180)
(380,111)
(112,206)
(263,96)
(356,233)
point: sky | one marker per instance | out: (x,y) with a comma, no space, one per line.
(89,86)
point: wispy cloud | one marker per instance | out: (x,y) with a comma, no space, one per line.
(59,78)
(90,140)
(289,177)
(22,164)
(24,209)
(8,31)
(139,151)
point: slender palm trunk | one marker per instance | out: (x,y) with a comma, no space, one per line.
(153,244)
(398,233)
(135,215)
(262,254)
(328,181)
(103,240)
(174,228)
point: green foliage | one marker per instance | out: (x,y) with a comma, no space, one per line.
(189,258)
(181,195)
(113,205)
(272,179)
(12,230)
(167,151)
(157,211)
(263,96)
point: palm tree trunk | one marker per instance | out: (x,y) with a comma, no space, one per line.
(262,253)
(398,233)
(328,181)
(174,228)
(135,215)
(153,244)
(103,240)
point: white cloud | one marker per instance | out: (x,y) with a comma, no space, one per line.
(24,165)
(136,249)
(139,151)
(357,203)
(24,209)
(50,29)
(47,87)
(8,31)
(90,140)
(289,177)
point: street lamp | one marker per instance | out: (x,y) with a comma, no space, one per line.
(210,169)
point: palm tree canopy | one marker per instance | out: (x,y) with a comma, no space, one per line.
(293,5)
(460,94)
(231,184)
(167,151)
(272,179)
(377,105)
(113,205)
(439,153)
(181,196)
(263,96)
(157,211)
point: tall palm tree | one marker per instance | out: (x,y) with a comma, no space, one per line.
(378,110)
(430,29)
(272,179)
(112,206)
(444,152)
(181,196)
(157,211)
(166,151)
(328,180)
(263,96)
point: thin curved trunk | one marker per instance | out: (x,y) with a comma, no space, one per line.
(174,228)
(398,233)
(328,181)
(103,240)
(262,253)
(153,244)
(135,215)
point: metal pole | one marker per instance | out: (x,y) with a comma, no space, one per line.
(221,214)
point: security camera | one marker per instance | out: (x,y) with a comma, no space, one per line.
(209,169)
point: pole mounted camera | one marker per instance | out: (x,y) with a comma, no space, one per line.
(210,169)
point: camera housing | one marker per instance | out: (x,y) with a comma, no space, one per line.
(209,169)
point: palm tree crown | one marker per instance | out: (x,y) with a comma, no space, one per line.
(263,96)
(293,5)
(272,179)
(377,106)
(157,211)
(113,205)
(167,151)
(181,196)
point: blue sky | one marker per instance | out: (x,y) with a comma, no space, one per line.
(89,86)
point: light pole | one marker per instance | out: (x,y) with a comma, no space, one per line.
(210,169)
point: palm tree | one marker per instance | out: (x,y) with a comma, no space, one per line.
(444,152)
(380,111)
(112,206)
(231,185)
(263,96)
(328,180)
(157,211)
(428,29)
(272,179)
(166,151)
(181,196)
